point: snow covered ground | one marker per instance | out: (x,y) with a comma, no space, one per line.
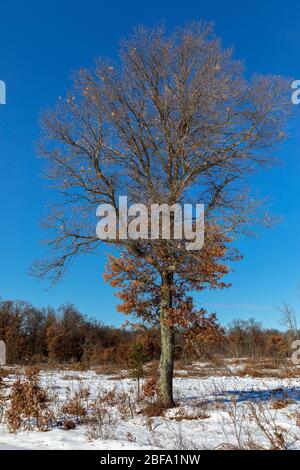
(213,412)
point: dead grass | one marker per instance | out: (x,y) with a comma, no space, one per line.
(184,415)
(153,409)
(280,404)
(113,371)
(251,371)
(255,427)
(69,377)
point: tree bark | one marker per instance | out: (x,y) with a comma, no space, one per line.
(165,382)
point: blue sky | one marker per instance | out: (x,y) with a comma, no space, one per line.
(41,43)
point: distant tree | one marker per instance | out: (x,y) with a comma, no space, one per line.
(174,121)
(254,336)
(237,337)
(54,336)
(33,329)
(276,347)
(289,321)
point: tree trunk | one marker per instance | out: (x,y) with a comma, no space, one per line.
(165,382)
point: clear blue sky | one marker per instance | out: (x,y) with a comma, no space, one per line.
(41,43)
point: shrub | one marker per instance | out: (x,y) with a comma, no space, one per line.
(29,404)
(101,421)
(149,388)
(76,405)
(137,358)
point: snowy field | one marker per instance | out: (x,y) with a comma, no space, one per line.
(223,411)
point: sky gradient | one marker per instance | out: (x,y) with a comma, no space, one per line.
(41,43)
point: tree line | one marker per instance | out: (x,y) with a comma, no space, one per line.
(65,335)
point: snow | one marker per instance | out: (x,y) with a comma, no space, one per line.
(213,412)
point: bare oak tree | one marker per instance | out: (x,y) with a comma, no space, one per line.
(174,120)
(289,321)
